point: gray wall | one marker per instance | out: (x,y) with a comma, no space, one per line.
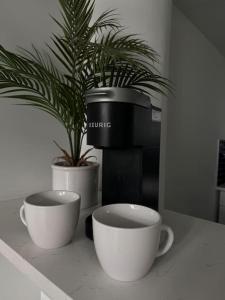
(195,120)
(26,135)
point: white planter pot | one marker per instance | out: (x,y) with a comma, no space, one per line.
(82,180)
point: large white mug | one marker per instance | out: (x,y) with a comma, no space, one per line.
(51,217)
(126,239)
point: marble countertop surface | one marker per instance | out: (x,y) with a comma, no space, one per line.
(194,269)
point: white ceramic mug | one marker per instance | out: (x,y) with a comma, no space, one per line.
(126,239)
(51,217)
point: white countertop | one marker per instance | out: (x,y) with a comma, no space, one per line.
(194,269)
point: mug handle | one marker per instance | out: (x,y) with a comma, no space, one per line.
(22,215)
(169,242)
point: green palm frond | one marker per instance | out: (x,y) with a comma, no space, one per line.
(27,80)
(107,21)
(115,46)
(89,53)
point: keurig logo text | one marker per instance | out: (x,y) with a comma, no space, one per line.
(99,124)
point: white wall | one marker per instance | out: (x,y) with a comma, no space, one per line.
(26,135)
(149,18)
(195,120)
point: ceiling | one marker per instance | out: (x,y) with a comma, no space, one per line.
(209,17)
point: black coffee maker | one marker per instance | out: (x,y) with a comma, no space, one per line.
(123,123)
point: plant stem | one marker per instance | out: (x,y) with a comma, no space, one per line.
(81,140)
(77,144)
(71,146)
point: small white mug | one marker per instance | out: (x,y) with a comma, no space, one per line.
(51,217)
(126,239)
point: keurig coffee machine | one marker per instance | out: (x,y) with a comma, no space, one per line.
(123,123)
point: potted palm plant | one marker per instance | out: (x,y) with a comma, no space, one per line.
(86,54)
